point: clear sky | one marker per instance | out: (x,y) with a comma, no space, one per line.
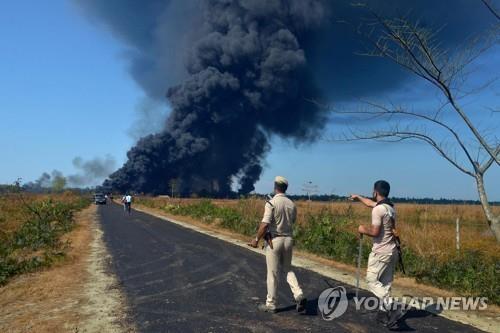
(65,91)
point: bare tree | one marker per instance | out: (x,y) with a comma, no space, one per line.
(448,127)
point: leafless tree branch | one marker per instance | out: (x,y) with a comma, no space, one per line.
(406,135)
(491,9)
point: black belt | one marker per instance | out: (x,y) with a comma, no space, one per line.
(281,236)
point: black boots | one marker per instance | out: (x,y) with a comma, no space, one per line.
(301,305)
(390,317)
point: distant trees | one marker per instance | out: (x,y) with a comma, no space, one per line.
(58,183)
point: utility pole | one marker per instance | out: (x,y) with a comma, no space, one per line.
(310,189)
(172,184)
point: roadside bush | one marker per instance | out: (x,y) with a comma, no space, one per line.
(329,235)
(204,210)
(35,242)
(233,220)
(207,212)
(470,272)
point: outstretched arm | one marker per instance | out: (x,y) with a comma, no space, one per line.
(367,202)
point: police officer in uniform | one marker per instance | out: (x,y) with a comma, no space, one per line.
(276,227)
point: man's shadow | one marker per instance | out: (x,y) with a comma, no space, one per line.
(402,325)
(311,308)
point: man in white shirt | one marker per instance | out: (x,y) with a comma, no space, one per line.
(127,202)
(384,255)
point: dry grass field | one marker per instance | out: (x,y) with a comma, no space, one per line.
(427,229)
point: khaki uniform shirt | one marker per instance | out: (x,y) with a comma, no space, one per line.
(280,213)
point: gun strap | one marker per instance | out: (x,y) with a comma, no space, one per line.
(391,218)
(396,239)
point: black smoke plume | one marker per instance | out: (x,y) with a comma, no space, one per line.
(247,78)
(236,72)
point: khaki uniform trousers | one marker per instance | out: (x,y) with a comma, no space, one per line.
(279,260)
(380,274)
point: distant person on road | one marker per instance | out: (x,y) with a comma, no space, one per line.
(127,202)
(384,255)
(123,203)
(276,227)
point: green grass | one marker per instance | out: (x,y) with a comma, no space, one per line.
(470,272)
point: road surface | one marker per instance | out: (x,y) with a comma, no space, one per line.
(178,280)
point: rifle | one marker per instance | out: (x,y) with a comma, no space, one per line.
(268,238)
(397,240)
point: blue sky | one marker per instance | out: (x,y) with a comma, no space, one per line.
(65,91)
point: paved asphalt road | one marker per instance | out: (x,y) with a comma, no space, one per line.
(178,280)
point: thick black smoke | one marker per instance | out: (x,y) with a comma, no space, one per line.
(150,118)
(238,71)
(247,78)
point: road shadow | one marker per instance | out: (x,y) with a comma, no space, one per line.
(402,325)
(311,308)
(285,309)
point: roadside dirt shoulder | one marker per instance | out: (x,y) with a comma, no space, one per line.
(75,295)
